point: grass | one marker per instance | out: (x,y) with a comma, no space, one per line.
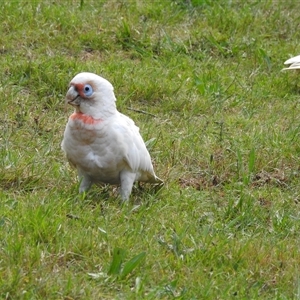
(222,126)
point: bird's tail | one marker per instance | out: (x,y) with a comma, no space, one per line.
(157,180)
(150,178)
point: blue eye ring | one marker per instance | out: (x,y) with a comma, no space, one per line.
(88,90)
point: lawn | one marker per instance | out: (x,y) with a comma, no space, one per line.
(203,81)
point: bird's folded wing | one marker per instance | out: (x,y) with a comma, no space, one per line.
(293,66)
(292,60)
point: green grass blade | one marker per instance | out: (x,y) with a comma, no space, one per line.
(132,264)
(251,163)
(117,259)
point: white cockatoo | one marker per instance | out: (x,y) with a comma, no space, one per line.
(104,145)
(294,63)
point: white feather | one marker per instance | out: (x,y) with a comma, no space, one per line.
(294,63)
(104,145)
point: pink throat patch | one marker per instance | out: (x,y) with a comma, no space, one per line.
(85,118)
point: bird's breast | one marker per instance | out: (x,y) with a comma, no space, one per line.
(83,130)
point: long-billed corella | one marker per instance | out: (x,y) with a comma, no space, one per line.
(104,145)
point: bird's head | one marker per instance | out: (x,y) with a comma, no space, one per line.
(92,95)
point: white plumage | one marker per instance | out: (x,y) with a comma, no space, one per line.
(294,63)
(104,145)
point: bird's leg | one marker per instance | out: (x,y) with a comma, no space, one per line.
(85,182)
(127,179)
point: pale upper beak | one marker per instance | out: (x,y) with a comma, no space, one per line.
(73,96)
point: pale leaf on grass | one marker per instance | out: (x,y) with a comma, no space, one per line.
(97,275)
(102,230)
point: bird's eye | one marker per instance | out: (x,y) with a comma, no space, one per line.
(88,90)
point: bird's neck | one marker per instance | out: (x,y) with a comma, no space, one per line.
(86,119)
(98,111)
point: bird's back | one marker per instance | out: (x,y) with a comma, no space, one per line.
(136,154)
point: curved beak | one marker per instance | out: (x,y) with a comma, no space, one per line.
(73,97)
